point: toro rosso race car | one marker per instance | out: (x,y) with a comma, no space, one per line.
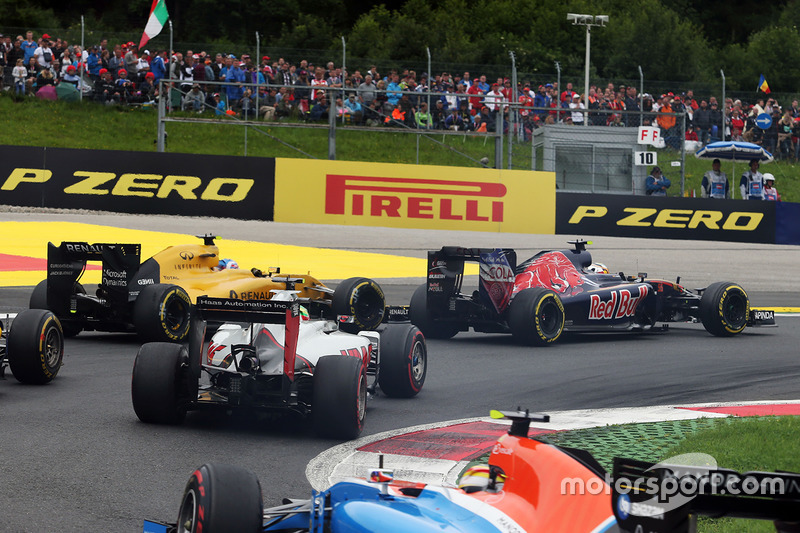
(154,298)
(560,290)
(522,489)
(270,357)
(31,346)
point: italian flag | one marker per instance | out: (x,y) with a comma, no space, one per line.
(158,17)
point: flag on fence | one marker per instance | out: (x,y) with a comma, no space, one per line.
(762,85)
(158,17)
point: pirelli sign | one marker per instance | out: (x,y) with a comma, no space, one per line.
(137,182)
(665,218)
(414,196)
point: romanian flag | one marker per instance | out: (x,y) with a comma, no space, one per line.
(158,17)
(762,85)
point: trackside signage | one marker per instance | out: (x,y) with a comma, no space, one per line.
(414,196)
(665,218)
(137,182)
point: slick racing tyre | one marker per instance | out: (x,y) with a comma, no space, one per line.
(420,316)
(162,313)
(161,384)
(35,347)
(339,401)
(39,301)
(536,316)
(724,309)
(361,298)
(404,361)
(220,498)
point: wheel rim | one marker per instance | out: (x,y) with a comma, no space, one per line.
(734,310)
(362,399)
(418,362)
(369,305)
(52,347)
(188,514)
(175,314)
(550,318)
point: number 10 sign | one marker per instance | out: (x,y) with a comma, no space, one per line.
(645,158)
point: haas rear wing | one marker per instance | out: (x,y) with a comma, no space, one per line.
(660,498)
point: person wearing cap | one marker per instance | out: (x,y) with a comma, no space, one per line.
(752,183)
(770,192)
(43,53)
(131,60)
(576,105)
(656,183)
(71,75)
(715,182)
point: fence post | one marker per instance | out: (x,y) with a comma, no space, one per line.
(160,137)
(332,128)
(498,138)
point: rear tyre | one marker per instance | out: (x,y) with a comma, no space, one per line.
(361,298)
(35,347)
(404,361)
(220,498)
(536,316)
(39,301)
(160,383)
(724,309)
(420,316)
(162,313)
(339,401)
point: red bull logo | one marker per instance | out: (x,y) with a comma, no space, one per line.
(552,271)
(620,304)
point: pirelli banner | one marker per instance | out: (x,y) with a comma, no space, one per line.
(414,196)
(666,218)
(137,182)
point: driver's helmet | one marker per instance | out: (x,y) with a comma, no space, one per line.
(769,177)
(597,268)
(478,478)
(225,264)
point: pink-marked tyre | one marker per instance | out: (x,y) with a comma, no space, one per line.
(220,498)
(404,361)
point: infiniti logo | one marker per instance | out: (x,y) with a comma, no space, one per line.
(187,256)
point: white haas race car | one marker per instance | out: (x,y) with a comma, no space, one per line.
(269,356)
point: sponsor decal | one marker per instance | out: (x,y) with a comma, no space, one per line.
(620,304)
(419,198)
(435,287)
(85,248)
(763,315)
(497,278)
(554,271)
(674,218)
(148,281)
(250,295)
(186,256)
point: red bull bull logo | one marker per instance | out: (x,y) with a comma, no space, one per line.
(553,271)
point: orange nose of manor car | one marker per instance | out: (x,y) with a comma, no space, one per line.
(546,489)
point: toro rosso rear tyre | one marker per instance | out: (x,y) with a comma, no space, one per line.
(39,301)
(339,401)
(536,316)
(160,383)
(221,498)
(724,309)
(162,313)
(35,347)
(361,298)
(404,361)
(421,317)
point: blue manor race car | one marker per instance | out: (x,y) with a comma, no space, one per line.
(521,489)
(564,290)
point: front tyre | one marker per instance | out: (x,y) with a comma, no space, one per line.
(536,316)
(404,361)
(361,298)
(220,498)
(339,402)
(420,316)
(162,313)
(35,347)
(161,383)
(724,309)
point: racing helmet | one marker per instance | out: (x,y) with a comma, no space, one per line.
(768,177)
(597,268)
(225,264)
(479,477)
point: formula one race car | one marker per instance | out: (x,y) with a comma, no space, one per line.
(269,356)
(527,486)
(155,298)
(31,345)
(555,291)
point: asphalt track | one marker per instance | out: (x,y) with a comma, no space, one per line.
(74,457)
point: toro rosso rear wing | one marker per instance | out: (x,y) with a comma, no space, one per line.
(251,311)
(67,261)
(659,498)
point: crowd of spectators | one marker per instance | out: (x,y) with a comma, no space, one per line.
(271,89)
